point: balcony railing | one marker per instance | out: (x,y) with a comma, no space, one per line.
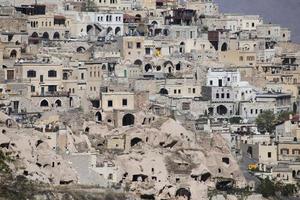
(52,94)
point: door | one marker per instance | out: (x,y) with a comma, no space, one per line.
(220,82)
(42,90)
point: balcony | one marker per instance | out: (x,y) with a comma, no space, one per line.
(52,94)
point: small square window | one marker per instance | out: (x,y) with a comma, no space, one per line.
(269,154)
(138,45)
(124,102)
(129,45)
(32,88)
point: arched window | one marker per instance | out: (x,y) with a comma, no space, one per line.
(45,36)
(13,53)
(58,103)
(128,119)
(31,74)
(52,73)
(44,103)
(56,35)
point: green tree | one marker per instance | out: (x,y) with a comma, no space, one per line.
(288,190)
(266,121)
(235,120)
(267,188)
(285,115)
(90,6)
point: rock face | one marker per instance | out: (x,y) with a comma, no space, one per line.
(162,159)
(36,157)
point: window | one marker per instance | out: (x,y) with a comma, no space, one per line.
(269,154)
(296,151)
(189,90)
(194,90)
(52,73)
(32,88)
(10,74)
(110,177)
(186,105)
(110,103)
(179,91)
(138,45)
(124,102)
(222,95)
(284,151)
(52,88)
(228,95)
(175,91)
(31,74)
(129,45)
(241,58)
(210,82)
(217,95)
(250,58)
(148,51)
(82,76)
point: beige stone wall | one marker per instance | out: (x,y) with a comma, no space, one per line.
(117,101)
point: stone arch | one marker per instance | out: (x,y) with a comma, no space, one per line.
(138,62)
(148,67)
(56,35)
(13,53)
(183,192)
(168,63)
(135,141)
(80,49)
(163,91)
(89,29)
(44,103)
(154,23)
(224,47)
(58,103)
(45,36)
(128,119)
(98,116)
(222,110)
(108,30)
(35,35)
(118,31)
